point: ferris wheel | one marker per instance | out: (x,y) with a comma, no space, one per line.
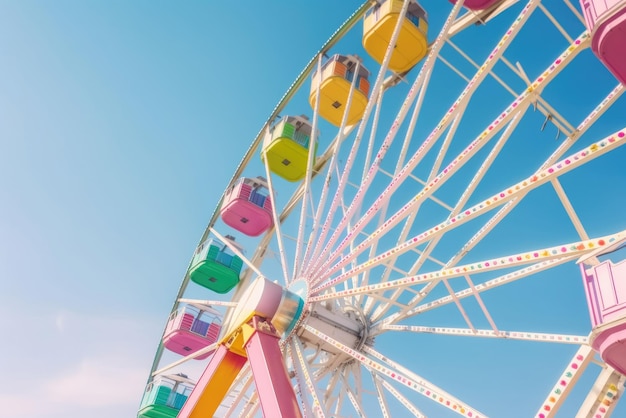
(430,223)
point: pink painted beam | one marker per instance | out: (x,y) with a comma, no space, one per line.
(215,382)
(276,394)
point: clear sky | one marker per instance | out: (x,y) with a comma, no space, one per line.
(120,125)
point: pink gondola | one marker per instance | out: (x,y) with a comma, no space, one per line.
(477,4)
(247,206)
(605,288)
(191,328)
(606,21)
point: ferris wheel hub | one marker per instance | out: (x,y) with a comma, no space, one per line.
(345,324)
(291,308)
(283,307)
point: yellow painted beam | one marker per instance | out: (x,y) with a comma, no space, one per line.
(213,385)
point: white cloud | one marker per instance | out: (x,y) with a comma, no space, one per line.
(85,390)
(60,321)
(21,406)
(98,382)
(78,365)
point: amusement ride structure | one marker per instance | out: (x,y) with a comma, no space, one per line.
(433,216)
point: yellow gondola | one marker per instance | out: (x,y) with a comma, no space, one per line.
(412,43)
(286,147)
(337,75)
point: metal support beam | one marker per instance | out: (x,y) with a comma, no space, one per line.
(258,341)
(603,395)
(213,385)
(566,382)
(270,374)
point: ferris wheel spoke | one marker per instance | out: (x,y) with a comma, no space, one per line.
(352,396)
(241,385)
(391,263)
(487,333)
(474,240)
(292,204)
(405,145)
(367,161)
(481,303)
(372,253)
(585,124)
(566,382)
(339,403)
(408,211)
(337,197)
(555,22)
(185,359)
(299,384)
(382,400)
(458,206)
(329,399)
(208,303)
(251,407)
(277,222)
(303,371)
(434,171)
(414,308)
(567,205)
(401,398)
(309,173)
(311,251)
(301,396)
(384,304)
(522,102)
(373,132)
(453,297)
(457,108)
(573,249)
(384,308)
(378,86)
(324,369)
(358,381)
(400,163)
(558,153)
(417,87)
(397,373)
(602,399)
(457,302)
(588,154)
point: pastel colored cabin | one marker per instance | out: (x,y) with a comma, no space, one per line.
(286,147)
(165,396)
(191,328)
(606,21)
(336,81)
(215,266)
(412,43)
(247,207)
(478,4)
(605,288)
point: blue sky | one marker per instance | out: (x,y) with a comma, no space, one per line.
(120,125)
